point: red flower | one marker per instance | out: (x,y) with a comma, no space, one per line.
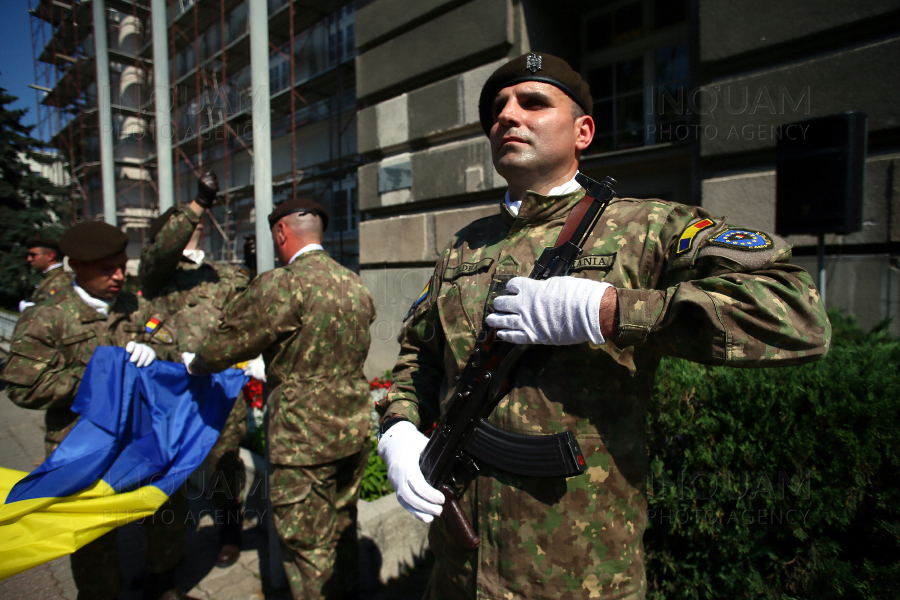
(379,383)
(253,393)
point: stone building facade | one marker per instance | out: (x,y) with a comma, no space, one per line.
(690,98)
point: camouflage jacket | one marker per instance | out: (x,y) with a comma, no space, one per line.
(52,345)
(687,286)
(310,320)
(187,298)
(52,282)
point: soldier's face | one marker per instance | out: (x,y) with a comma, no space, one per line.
(101,279)
(535,130)
(40,258)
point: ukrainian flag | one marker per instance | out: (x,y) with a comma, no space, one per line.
(142,432)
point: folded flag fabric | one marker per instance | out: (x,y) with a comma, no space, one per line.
(141,433)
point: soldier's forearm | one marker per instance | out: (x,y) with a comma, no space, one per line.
(196,208)
(609,311)
(53,392)
(742,319)
(160,259)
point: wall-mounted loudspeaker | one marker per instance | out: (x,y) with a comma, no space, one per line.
(820,173)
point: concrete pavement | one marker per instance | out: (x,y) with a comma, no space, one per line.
(21,448)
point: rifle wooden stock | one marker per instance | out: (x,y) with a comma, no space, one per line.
(457,523)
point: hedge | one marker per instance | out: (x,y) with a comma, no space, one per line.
(781,482)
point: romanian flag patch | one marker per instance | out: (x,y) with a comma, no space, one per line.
(419,300)
(687,237)
(151,325)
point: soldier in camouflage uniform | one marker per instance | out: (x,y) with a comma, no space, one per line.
(310,320)
(656,278)
(54,342)
(188,294)
(45,256)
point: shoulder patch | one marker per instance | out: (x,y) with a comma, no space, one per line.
(419,300)
(686,241)
(743,239)
(151,325)
(158,331)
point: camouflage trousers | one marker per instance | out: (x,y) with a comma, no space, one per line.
(95,566)
(228,473)
(314,509)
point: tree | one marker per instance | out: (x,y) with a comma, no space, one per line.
(30,204)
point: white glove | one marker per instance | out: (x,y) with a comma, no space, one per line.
(142,355)
(256,369)
(23,304)
(186,358)
(556,311)
(400,447)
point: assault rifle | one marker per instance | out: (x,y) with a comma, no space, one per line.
(463,438)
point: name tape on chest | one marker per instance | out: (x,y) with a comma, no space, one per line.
(743,239)
(451,273)
(599,262)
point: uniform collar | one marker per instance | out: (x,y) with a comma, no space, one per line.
(91,313)
(306,248)
(51,268)
(101,307)
(567,188)
(537,209)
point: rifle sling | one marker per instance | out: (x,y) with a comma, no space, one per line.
(574,220)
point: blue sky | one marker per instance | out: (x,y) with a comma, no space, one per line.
(16,60)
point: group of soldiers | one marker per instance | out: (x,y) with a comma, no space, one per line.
(282,328)
(656,278)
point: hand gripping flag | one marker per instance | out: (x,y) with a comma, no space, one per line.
(142,432)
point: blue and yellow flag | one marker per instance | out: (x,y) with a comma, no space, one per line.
(142,432)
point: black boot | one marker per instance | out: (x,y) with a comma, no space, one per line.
(230,537)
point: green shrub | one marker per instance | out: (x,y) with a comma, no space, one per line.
(778,483)
(375,482)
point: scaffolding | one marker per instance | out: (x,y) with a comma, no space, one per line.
(312,96)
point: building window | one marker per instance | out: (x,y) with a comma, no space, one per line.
(635,61)
(614,27)
(345,214)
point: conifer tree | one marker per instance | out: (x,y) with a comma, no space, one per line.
(30,205)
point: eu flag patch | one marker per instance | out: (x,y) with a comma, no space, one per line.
(743,239)
(687,237)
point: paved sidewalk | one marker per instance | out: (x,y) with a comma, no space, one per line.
(22,448)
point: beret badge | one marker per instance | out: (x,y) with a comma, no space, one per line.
(533,63)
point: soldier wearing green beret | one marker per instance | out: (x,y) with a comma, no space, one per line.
(51,347)
(310,320)
(45,256)
(656,278)
(187,293)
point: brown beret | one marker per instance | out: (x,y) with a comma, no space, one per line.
(298,205)
(42,242)
(536,66)
(157,223)
(93,240)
